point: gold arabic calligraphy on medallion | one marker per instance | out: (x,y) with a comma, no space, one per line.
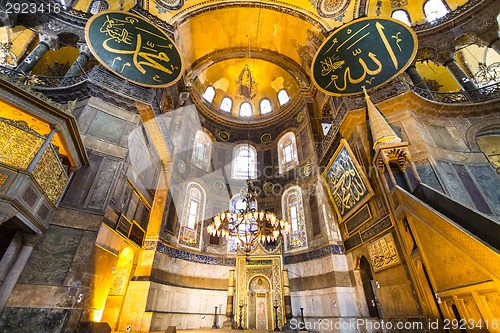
(134,49)
(347,185)
(363,53)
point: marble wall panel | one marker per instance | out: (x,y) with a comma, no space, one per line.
(34,320)
(51,259)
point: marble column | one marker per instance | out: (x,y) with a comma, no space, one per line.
(287,299)
(415,77)
(463,80)
(29,241)
(46,43)
(230,301)
(80,61)
(40,151)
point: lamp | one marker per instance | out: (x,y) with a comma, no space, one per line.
(248,226)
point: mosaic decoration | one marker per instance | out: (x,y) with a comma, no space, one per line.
(347,185)
(314,254)
(364,53)
(134,49)
(265,138)
(383,253)
(399,3)
(294,213)
(188,256)
(331,8)
(219,185)
(300,117)
(181,166)
(307,169)
(223,135)
(169,4)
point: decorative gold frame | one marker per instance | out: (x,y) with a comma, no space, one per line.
(98,57)
(359,172)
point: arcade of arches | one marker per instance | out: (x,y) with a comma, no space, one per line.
(107,187)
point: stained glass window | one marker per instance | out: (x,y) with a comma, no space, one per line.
(235,205)
(293,211)
(209,94)
(283,97)
(244,162)
(226,104)
(287,152)
(202,150)
(192,217)
(265,106)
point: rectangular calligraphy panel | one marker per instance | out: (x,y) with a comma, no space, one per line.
(347,184)
(383,253)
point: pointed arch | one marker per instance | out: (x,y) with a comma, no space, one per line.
(293,212)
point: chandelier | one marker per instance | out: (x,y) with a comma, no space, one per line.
(248,226)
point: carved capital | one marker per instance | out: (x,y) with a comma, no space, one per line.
(49,39)
(444,56)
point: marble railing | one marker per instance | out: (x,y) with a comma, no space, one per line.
(472,96)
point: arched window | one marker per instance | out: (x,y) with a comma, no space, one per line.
(287,152)
(401,15)
(283,97)
(192,216)
(245,109)
(226,104)
(202,150)
(244,162)
(434,9)
(235,205)
(265,106)
(98,6)
(209,94)
(293,212)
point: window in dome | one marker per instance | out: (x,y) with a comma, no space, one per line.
(265,106)
(245,109)
(244,162)
(226,104)
(194,203)
(293,212)
(434,9)
(283,97)
(287,152)
(98,6)
(202,151)
(209,94)
(401,15)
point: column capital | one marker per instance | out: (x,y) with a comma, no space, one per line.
(84,49)
(444,56)
(31,239)
(52,41)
